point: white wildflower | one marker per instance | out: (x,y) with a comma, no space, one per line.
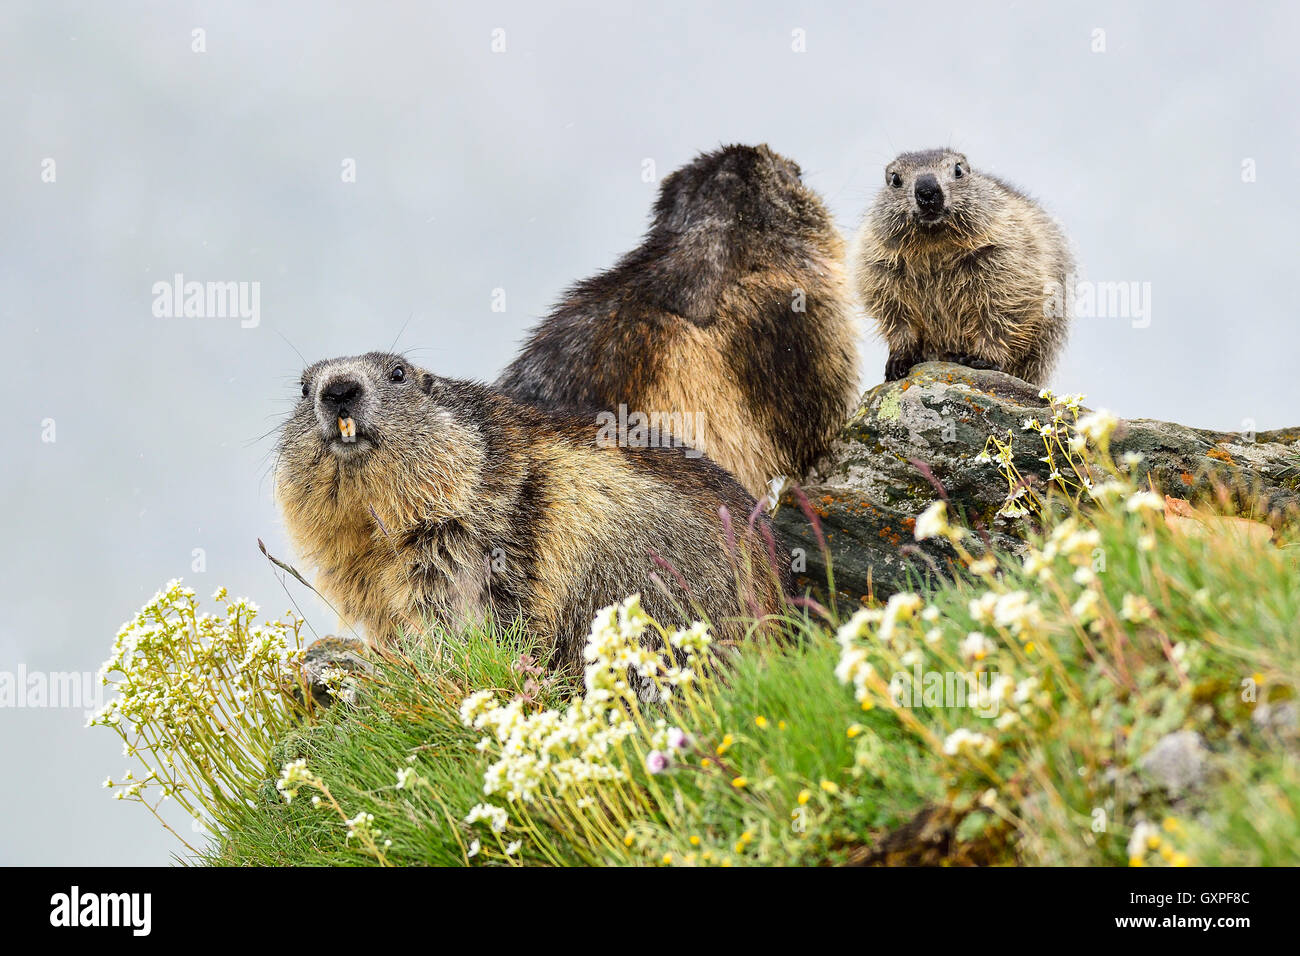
(1097,426)
(495,817)
(293,776)
(976,646)
(900,607)
(933,522)
(962,740)
(1145,499)
(1139,842)
(407,778)
(1137,609)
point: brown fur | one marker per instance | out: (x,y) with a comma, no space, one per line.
(457,503)
(701,319)
(975,285)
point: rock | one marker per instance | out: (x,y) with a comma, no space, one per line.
(331,668)
(867,492)
(1281,719)
(1179,762)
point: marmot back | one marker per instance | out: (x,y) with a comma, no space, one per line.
(956,265)
(417,498)
(734,314)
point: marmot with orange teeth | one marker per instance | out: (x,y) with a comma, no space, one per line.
(956,265)
(419,498)
(734,314)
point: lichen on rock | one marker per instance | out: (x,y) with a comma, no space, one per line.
(868,490)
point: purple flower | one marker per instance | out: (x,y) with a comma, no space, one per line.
(656,761)
(677,738)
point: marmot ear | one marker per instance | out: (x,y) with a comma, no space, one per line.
(426,383)
(690,278)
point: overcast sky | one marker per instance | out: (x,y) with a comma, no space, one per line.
(522,170)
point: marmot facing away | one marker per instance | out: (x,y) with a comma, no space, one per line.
(955,265)
(735,311)
(418,497)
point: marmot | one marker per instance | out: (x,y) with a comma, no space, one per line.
(735,312)
(422,498)
(956,265)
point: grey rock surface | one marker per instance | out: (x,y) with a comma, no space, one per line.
(867,492)
(331,668)
(1178,763)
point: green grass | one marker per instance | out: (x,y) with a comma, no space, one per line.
(807,776)
(408,718)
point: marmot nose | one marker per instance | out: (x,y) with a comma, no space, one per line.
(929,194)
(340,392)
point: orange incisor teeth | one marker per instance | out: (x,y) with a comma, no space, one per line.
(347,428)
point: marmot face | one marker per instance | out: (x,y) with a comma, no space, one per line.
(928,194)
(344,402)
(956,265)
(417,498)
(379,434)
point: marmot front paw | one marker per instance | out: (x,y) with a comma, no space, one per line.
(973,361)
(900,363)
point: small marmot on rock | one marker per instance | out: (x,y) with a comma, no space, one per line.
(735,311)
(955,265)
(421,498)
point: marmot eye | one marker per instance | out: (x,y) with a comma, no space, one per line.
(895,180)
(304,389)
(398,373)
(958,172)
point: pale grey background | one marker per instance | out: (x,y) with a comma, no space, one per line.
(522,171)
